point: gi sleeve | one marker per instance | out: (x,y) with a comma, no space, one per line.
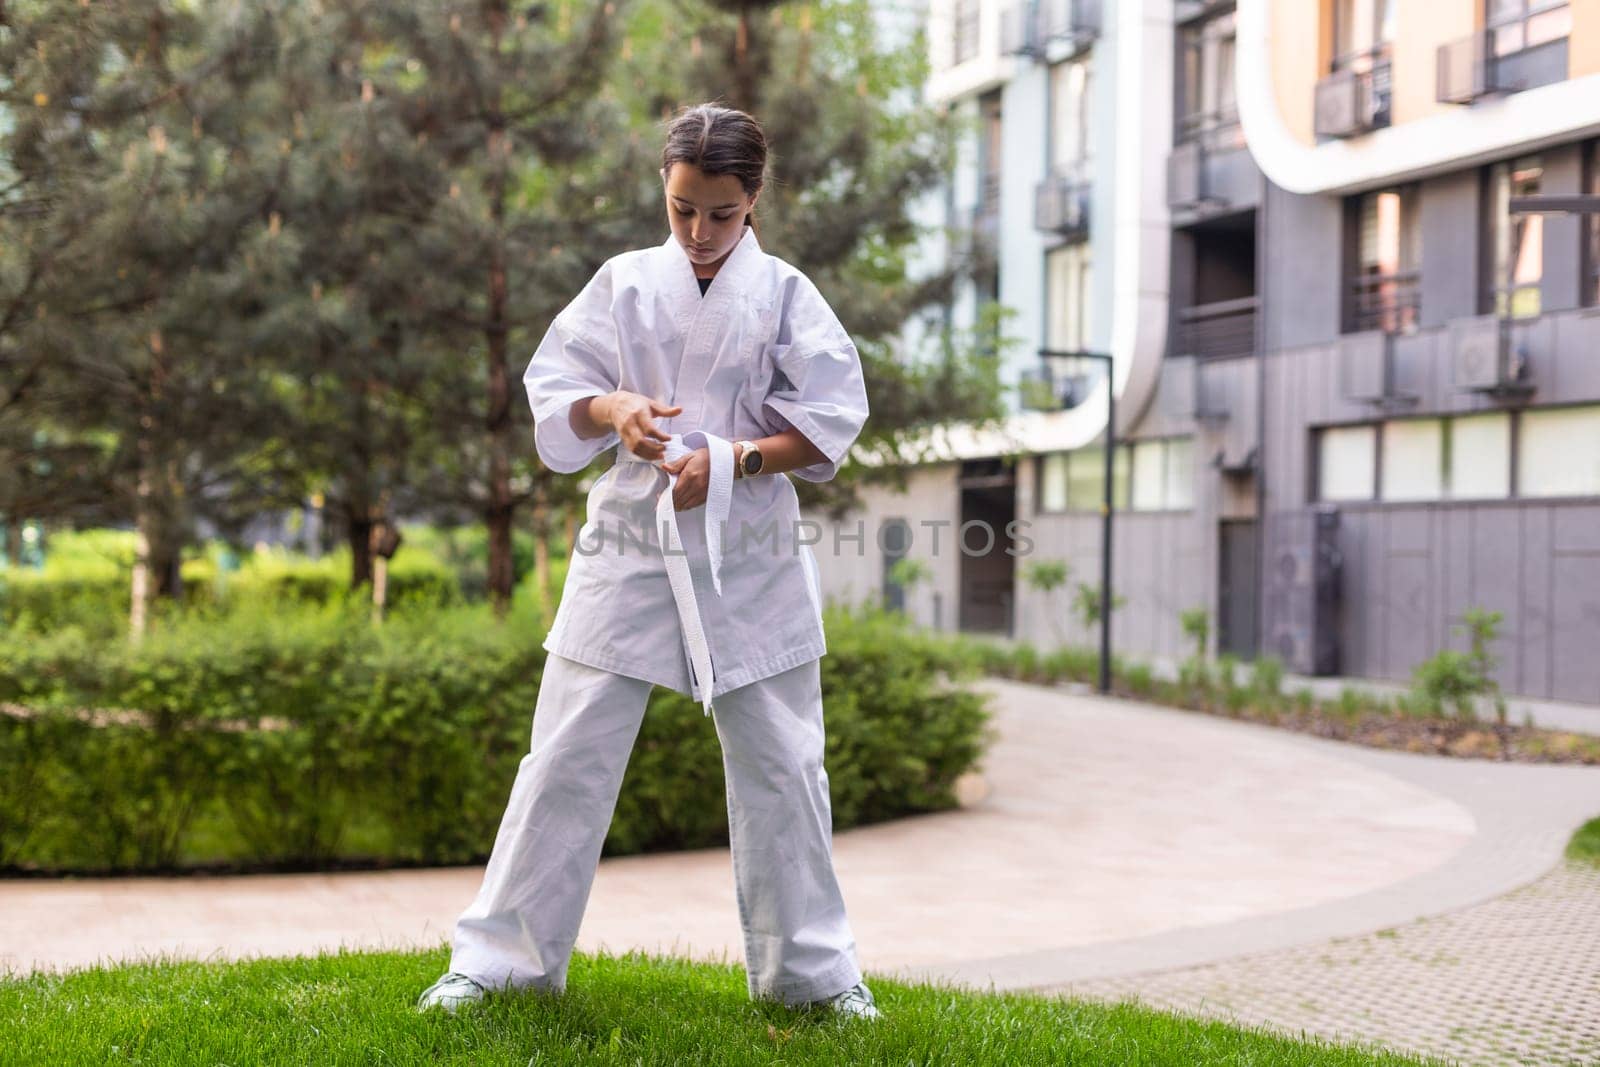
(819,388)
(578,357)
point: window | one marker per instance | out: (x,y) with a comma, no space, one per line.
(1514,25)
(1462,457)
(1068,303)
(1518,245)
(1386,290)
(1456,457)
(1478,457)
(1413,460)
(1559,453)
(1361,30)
(1207,111)
(989,149)
(1069,116)
(1163,474)
(1075,481)
(966,23)
(1053,481)
(1347,463)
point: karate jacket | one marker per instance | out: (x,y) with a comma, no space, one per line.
(760,352)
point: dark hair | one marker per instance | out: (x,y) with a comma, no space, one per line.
(719,140)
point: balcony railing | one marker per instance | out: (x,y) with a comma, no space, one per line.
(1061,204)
(1355,97)
(1216,330)
(1028,26)
(1214,131)
(1387,302)
(1478,66)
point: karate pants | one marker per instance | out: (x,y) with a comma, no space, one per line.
(521,929)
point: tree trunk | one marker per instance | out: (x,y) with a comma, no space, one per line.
(157,547)
(498,510)
(358,531)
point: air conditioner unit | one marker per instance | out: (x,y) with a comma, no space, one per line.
(1482,360)
(1301,601)
(1337,105)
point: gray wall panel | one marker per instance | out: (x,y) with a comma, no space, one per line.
(1497,581)
(1301,294)
(1450,247)
(1537,631)
(1577,627)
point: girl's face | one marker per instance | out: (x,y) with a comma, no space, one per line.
(706,212)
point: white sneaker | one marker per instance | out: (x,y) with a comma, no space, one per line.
(450,992)
(854,1003)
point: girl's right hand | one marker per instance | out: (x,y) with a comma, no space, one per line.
(633,417)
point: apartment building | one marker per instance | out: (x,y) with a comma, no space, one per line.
(1337,253)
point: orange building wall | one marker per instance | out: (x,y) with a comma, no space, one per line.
(1583,49)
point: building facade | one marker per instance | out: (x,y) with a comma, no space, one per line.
(1333,251)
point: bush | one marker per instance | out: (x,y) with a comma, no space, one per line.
(300,736)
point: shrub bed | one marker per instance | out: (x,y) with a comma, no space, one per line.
(305,737)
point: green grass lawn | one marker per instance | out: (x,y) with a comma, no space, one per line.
(356,1008)
(1585,844)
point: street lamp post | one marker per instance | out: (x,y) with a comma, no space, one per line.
(1070,398)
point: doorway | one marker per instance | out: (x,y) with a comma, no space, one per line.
(988,570)
(1238,596)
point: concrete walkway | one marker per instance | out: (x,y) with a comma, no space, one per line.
(1115,839)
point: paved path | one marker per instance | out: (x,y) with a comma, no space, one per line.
(1514,980)
(1116,839)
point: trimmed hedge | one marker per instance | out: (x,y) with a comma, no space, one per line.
(307,738)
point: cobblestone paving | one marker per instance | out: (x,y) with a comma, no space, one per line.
(1515,980)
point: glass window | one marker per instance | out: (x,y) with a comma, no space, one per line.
(1519,241)
(1347,463)
(1180,473)
(1085,477)
(1478,457)
(1387,290)
(1149,475)
(1559,452)
(966,23)
(1053,482)
(1361,27)
(1413,459)
(1517,24)
(1067,271)
(1069,111)
(1207,109)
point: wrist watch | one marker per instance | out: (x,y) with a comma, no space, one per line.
(749,459)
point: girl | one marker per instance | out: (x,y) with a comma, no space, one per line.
(713,368)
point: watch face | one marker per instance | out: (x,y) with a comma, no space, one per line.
(752,461)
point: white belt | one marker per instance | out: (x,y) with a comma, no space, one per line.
(719,498)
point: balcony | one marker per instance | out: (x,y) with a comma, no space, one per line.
(1217,330)
(1028,27)
(1486,63)
(1061,205)
(1355,98)
(1387,302)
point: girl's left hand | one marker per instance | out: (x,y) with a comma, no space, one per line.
(694,478)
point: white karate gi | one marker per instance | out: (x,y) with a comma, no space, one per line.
(738,621)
